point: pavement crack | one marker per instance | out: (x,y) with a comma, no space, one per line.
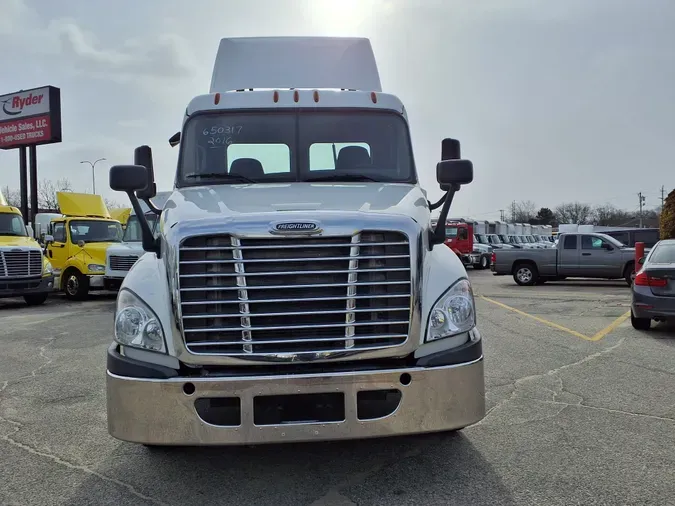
(69,465)
(51,456)
(551,373)
(607,410)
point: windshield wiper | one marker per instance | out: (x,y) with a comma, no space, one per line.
(341,177)
(221,175)
(13,234)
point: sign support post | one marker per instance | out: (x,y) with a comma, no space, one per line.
(23,183)
(32,153)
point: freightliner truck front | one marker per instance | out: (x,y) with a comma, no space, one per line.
(296,290)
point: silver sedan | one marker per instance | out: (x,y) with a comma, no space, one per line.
(654,287)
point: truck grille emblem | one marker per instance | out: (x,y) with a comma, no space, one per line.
(295,227)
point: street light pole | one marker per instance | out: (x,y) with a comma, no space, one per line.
(93,174)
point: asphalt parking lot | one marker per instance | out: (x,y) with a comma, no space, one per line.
(581,411)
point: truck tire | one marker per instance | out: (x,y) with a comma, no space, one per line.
(483,264)
(525,274)
(76,285)
(629,273)
(640,323)
(35,299)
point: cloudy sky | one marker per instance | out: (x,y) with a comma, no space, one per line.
(553,101)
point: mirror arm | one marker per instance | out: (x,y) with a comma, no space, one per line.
(152,207)
(437,235)
(149,242)
(438,204)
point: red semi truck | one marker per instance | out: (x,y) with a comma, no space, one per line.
(459,238)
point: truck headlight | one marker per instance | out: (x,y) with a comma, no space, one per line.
(454,312)
(136,324)
(96,267)
(48,269)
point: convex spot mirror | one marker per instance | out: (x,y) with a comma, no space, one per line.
(454,172)
(143,156)
(128,178)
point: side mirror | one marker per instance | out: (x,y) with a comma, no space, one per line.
(80,243)
(49,239)
(450,149)
(128,178)
(174,140)
(641,261)
(608,247)
(454,172)
(143,157)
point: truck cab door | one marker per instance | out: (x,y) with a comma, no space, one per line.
(568,256)
(57,251)
(599,259)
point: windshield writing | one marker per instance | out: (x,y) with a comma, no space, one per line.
(310,146)
(12,225)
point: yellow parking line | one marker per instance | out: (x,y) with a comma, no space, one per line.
(599,335)
(541,320)
(611,326)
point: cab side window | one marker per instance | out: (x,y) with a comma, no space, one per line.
(570,242)
(59,232)
(591,242)
(462,234)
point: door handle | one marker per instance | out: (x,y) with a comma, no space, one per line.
(586,254)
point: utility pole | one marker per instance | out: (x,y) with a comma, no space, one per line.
(513,211)
(663,198)
(93,174)
(503,216)
(642,201)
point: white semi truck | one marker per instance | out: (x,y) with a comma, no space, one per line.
(296,290)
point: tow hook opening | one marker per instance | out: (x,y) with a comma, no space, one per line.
(372,404)
(221,411)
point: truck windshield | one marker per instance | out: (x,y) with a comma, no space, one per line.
(12,224)
(95,231)
(482,239)
(262,147)
(133,231)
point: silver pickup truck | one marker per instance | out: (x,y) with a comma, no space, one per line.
(590,255)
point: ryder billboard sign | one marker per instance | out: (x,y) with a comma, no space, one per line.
(30,117)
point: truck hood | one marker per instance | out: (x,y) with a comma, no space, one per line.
(11,241)
(125,248)
(231,200)
(93,252)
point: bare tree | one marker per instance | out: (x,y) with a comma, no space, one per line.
(573,212)
(608,215)
(112,204)
(47,190)
(524,211)
(13,197)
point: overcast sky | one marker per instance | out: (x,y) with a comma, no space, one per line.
(552,100)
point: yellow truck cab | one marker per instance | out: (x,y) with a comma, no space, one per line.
(24,271)
(77,243)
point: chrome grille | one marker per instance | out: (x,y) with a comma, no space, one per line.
(20,264)
(295,295)
(122,263)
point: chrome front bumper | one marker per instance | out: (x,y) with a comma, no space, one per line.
(158,411)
